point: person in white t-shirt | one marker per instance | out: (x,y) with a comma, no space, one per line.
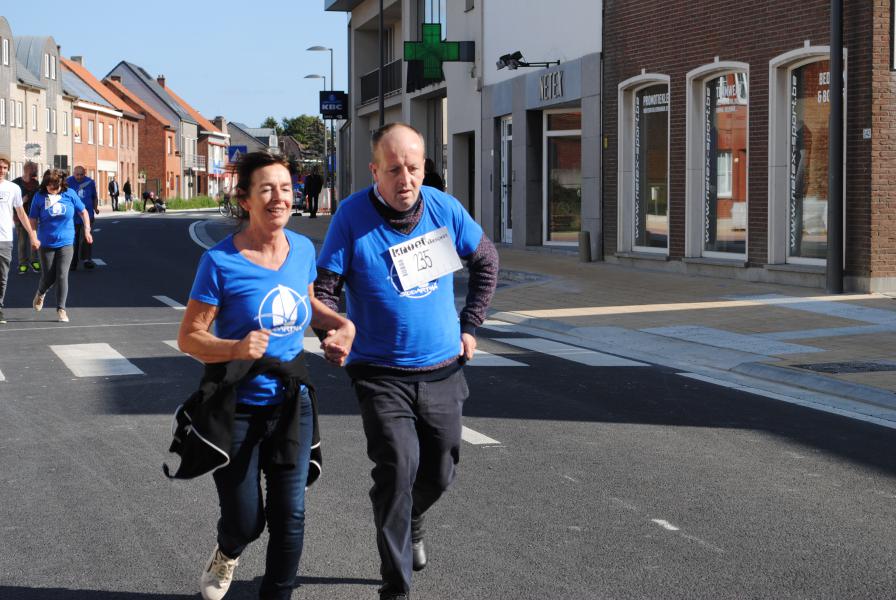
(10,201)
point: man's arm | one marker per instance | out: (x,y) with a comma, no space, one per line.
(327,289)
(26,225)
(483,268)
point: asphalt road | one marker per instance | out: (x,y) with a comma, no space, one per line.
(598,482)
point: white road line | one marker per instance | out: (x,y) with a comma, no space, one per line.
(665,524)
(828,408)
(476,438)
(195,237)
(95,326)
(2,376)
(173,344)
(719,338)
(170,302)
(500,325)
(100,262)
(481,358)
(312,345)
(95,229)
(573,353)
(95,360)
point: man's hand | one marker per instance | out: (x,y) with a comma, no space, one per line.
(96,209)
(35,243)
(253,346)
(467,346)
(338,343)
(88,236)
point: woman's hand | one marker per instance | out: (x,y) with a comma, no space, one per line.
(88,237)
(338,343)
(253,346)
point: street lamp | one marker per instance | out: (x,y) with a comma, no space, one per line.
(326,154)
(332,84)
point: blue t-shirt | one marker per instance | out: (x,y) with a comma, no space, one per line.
(86,191)
(55,220)
(397,327)
(250,297)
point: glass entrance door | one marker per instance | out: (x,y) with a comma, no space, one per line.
(507,179)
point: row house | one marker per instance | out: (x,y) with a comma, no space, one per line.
(35,108)
(656,135)
(212,151)
(152,93)
(159,165)
(255,139)
(104,130)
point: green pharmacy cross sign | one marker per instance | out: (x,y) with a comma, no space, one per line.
(432,51)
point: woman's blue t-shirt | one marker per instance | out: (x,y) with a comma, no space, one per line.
(56,221)
(250,297)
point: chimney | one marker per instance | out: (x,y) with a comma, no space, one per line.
(161,80)
(78,59)
(116,78)
(221,123)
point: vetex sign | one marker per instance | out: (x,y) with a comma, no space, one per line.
(334,105)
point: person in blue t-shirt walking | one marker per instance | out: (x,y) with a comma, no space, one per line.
(52,215)
(256,288)
(395,246)
(85,188)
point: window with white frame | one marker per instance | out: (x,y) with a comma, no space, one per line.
(34,117)
(47,119)
(650,167)
(46,65)
(53,120)
(53,68)
(76,130)
(64,122)
(89,131)
(2,111)
(99,132)
(5,52)
(20,115)
(168,141)
(723,170)
(111,135)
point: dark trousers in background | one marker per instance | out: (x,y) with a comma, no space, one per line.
(114,201)
(312,204)
(244,513)
(83,250)
(413,434)
(27,254)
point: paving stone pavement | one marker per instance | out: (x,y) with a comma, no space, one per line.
(763,331)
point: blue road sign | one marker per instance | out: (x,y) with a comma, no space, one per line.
(235,153)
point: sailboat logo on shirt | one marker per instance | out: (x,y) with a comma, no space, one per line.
(283,311)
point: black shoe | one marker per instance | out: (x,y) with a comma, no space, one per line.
(418,547)
(89,264)
(390,595)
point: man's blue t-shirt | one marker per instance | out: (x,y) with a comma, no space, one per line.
(250,297)
(397,327)
(55,218)
(86,191)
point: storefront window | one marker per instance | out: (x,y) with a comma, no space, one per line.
(651,167)
(726,107)
(808,200)
(563,178)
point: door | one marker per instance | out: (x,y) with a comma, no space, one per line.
(507,179)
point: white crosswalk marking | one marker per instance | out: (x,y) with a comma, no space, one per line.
(312,345)
(476,438)
(573,353)
(94,360)
(99,262)
(2,376)
(170,302)
(481,358)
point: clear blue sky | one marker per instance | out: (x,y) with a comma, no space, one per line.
(242,60)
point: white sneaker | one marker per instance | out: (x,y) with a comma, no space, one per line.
(63,316)
(215,580)
(38,302)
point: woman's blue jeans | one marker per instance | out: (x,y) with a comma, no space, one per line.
(244,513)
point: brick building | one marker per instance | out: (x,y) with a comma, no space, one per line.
(716,139)
(159,165)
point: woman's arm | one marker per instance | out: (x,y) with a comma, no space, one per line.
(196,339)
(340,331)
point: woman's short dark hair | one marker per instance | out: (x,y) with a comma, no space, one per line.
(54,177)
(247,165)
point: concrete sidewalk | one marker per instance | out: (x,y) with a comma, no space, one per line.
(837,351)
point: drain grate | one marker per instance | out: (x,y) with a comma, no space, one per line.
(849,367)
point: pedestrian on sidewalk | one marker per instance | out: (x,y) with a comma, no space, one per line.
(113,193)
(256,288)
(128,197)
(28,185)
(406,363)
(10,204)
(52,214)
(431,177)
(314,183)
(85,188)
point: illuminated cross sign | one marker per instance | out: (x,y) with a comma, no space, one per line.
(432,51)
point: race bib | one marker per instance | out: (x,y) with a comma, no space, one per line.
(425,258)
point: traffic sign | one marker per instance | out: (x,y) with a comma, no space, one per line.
(235,153)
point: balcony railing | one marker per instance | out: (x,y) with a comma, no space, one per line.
(391,82)
(196,162)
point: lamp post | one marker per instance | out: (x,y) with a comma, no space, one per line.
(332,133)
(326,154)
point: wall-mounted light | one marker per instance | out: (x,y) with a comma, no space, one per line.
(514,61)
